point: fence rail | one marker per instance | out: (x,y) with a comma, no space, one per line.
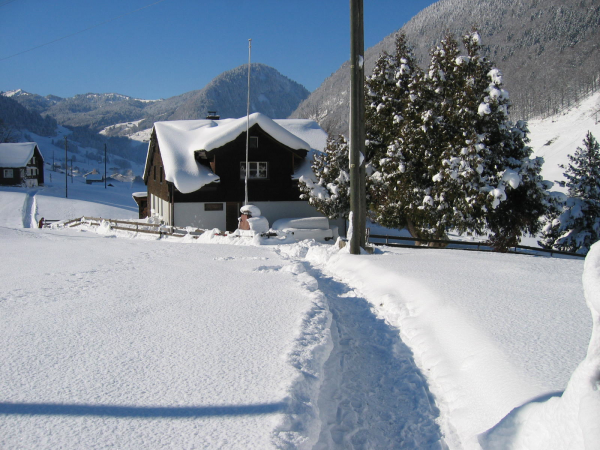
(481,246)
(137,227)
(166,230)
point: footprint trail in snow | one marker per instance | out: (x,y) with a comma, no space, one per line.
(373,395)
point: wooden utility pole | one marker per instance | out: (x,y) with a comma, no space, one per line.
(66,171)
(357,128)
(71,169)
(104,166)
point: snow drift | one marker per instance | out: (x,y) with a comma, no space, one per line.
(563,421)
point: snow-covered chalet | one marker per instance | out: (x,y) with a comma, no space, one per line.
(21,164)
(195,170)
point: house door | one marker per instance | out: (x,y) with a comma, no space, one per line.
(232,213)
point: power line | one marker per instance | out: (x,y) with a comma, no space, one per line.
(77,32)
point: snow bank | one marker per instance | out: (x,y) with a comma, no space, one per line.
(486,342)
(569,421)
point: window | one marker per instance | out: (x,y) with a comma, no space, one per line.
(154,173)
(213,207)
(258,170)
(8,173)
(253,142)
(33,160)
(161,174)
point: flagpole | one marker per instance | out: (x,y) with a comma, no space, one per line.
(247,124)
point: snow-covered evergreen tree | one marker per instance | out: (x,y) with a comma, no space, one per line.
(487,180)
(456,161)
(330,193)
(394,108)
(576,226)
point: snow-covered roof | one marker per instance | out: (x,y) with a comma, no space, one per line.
(179,140)
(16,154)
(311,132)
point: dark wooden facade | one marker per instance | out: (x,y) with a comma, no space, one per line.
(226,163)
(34,170)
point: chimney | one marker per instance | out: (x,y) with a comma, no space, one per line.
(212,115)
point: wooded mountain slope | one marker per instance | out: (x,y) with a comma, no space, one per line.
(548,51)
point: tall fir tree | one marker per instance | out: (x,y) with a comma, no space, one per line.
(575,226)
(395,105)
(486,179)
(455,159)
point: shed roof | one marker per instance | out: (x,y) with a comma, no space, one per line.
(179,140)
(16,154)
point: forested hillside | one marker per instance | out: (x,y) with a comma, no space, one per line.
(547,51)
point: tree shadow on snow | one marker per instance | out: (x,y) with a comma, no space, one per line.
(144,412)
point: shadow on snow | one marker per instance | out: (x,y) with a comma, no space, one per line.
(181,412)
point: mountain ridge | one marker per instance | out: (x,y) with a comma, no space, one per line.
(271,93)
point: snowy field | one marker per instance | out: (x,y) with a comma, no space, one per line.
(114,340)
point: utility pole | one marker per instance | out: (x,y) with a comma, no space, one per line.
(71,169)
(357,128)
(66,171)
(104,166)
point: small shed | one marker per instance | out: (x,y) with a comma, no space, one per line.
(141,198)
(21,164)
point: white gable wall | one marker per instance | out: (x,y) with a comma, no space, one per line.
(194,215)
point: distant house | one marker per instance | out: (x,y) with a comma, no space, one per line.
(195,169)
(93,177)
(21,164)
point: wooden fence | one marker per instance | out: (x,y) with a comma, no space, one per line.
(136,227)
(375,239)
(474,246)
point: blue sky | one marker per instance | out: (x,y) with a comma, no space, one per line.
(175,46)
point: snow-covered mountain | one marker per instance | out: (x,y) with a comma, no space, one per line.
(123,122)
(557,136)
(548,52)
(272,94)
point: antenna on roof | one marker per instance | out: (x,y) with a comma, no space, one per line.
(247,123)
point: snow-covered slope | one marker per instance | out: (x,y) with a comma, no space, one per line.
(115,339)
(556,137)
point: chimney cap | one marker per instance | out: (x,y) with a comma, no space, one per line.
(212,115)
